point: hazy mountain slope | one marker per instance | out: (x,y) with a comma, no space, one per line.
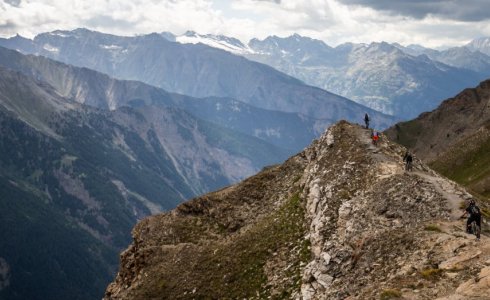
(92,174)
(196,70)
(465,57)
(291,131)
(22,98)
(287,130)
(454,138)
(339,220)
(378,75)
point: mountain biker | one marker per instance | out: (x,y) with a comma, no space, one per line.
(407,158)
(366,120)
(474,215)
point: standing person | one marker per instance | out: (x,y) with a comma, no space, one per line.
(407,158)
(366,120)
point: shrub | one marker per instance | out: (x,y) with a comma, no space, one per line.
(390,294)
(431,273)
(433,227)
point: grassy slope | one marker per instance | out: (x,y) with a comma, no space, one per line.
(242,261)
(468,163)
(204,241)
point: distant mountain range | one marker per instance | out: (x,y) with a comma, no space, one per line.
(398,80)
(193,69)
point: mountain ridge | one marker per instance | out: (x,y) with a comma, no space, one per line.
(339,220)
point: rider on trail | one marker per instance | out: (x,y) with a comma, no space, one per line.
(407,158)
(474,215)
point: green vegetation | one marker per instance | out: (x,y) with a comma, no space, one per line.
(237,268)
(433,227)
(390,294)
(50,254)
(406,133)
(279,232)
(468,165)
(431,274)
(50,257)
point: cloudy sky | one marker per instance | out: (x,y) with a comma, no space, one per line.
(432,23)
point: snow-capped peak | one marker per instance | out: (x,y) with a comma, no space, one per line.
(229,44)
(481,44)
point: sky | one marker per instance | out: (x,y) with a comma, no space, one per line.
(431,23)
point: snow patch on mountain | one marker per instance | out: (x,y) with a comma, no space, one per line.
(111,47)
(58,33)
(268,132)
(50,48)
(216,41)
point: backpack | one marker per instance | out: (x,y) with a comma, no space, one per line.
(474,210)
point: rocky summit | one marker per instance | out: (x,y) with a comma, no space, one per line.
(340,220)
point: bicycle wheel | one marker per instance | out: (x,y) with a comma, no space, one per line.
(475,229)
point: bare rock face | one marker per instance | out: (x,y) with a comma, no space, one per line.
(340,220)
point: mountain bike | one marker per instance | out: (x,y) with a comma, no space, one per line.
(475,229)
(408,166)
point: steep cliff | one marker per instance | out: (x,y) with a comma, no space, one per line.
(340,220)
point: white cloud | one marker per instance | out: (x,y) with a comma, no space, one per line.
(329,20)
(114,16)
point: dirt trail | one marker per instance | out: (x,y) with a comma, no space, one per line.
(454,194)
(449,191)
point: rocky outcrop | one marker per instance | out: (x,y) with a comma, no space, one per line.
(340,220)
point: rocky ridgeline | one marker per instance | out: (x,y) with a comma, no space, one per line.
(341,220)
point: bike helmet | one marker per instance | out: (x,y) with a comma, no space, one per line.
(472,202)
